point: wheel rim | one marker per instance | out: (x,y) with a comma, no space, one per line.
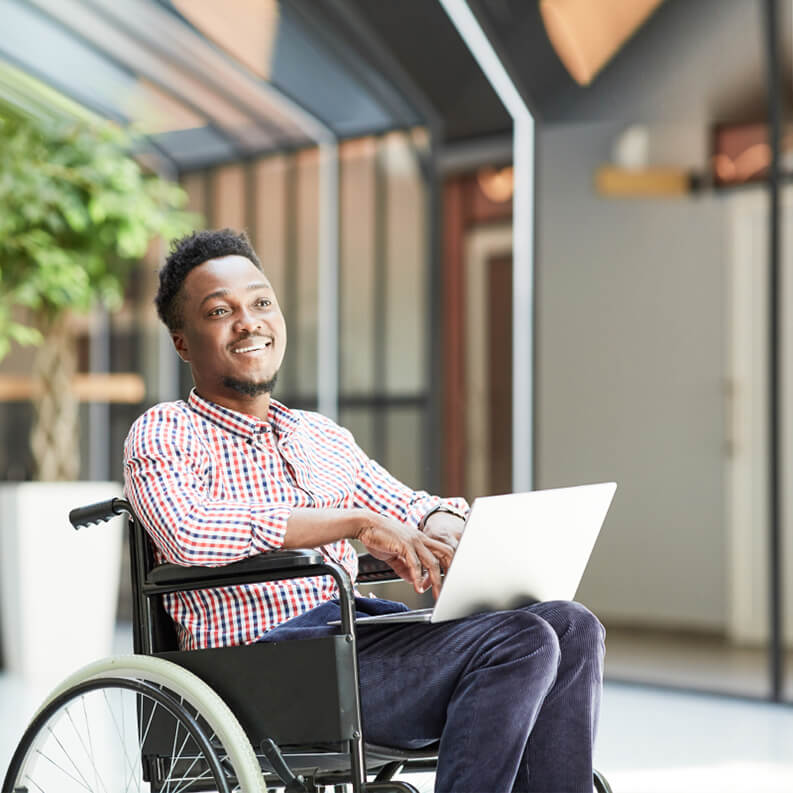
(110,735)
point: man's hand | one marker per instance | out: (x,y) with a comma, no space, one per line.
(416,557)
(446,528)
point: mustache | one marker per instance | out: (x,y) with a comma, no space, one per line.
(250,337)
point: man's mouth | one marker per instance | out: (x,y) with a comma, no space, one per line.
(251,346)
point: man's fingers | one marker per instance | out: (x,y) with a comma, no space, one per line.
(432,566)
(414,570)
(441,550)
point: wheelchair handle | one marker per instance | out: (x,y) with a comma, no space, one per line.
(98,513)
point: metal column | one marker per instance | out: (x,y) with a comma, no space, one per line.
(522,240)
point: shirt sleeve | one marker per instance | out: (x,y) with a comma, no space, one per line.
(167,480)
(380,491)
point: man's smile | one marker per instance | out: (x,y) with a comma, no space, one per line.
(249,346)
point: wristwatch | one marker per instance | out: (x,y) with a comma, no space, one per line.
(440,508)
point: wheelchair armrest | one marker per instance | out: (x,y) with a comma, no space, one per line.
(273,566)
(264,567)
(372,570)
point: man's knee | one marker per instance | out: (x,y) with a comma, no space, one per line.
(515,636)
(574,623)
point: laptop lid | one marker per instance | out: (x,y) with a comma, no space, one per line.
(523,547)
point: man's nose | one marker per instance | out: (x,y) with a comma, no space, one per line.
(247,321)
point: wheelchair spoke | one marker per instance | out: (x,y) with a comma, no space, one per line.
(66,754)
(186,782)
(120,732)
(80,782)
(176,756)
(108,734)
(89,750)
(34,783)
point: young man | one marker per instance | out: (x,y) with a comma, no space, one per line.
(512,696)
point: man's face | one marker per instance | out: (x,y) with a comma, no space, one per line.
(233,333)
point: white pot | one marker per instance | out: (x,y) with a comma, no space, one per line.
(58,586)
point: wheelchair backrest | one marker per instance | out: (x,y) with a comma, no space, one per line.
(149,615)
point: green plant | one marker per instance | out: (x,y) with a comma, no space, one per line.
(77,212)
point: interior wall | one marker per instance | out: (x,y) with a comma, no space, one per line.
(630,357)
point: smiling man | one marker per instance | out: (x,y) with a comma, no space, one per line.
(512,697)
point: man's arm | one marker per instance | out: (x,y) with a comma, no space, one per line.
(380,493)
(167,480)
(414,556)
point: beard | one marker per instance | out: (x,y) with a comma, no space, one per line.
(250,388)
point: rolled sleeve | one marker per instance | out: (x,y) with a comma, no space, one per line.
(166,474)
(425,502)
(268,525)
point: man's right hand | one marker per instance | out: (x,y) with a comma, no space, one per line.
(410,554)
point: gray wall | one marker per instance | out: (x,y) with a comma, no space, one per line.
(632,311)
(630,364)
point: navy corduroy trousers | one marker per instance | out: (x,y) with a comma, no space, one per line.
(512,696)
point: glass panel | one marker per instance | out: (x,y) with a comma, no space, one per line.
(360,421)
(269,230)
(16,459)
(639,316)
(229,197)
(406,307)
(195,185)
(303,326)
(357,298)
(403,456)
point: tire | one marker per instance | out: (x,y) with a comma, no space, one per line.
(88,735)
(601,783)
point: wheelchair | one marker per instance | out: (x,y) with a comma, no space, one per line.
(170,721)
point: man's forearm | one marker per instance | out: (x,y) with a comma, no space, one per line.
(310,528)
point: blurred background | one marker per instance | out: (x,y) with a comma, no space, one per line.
(370,154)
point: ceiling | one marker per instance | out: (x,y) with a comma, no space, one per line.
(210,82)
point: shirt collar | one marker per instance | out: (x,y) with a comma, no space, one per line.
(280,418)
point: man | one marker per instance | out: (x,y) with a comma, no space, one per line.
(512,696)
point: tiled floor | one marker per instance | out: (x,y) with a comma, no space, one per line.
(651,739)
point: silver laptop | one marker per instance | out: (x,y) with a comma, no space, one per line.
(517,549)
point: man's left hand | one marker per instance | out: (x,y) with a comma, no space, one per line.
(446,528)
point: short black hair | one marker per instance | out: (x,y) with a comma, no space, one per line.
(188,252)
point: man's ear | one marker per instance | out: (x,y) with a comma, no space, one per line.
(181,346)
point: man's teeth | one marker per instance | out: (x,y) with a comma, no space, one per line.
(251,349)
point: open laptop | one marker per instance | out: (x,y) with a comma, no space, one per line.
(517,549)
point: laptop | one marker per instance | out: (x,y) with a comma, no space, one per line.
(517,549)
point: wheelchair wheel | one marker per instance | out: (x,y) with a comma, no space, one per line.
(601,783)
(134,723)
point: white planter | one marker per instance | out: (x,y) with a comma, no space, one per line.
(58,586)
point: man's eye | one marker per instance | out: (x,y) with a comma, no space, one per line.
(264,302)
(216,312)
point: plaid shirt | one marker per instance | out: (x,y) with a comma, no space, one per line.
(213,486)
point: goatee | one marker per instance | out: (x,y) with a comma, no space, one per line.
(249,388)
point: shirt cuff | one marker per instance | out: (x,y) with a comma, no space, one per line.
(457,506)
(269,527)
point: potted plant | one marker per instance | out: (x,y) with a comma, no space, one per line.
(77,212)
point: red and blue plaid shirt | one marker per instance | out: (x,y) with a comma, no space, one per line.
(213,486)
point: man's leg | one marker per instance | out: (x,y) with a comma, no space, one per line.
(478,684)
(559,752)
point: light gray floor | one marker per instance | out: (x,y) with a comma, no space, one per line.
(651,740)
